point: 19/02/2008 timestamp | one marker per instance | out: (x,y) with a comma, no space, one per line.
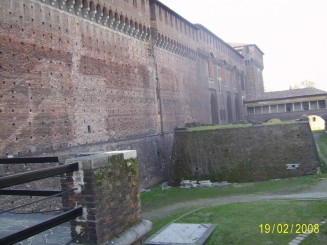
(289,228)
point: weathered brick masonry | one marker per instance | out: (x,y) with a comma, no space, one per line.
(108,192)
(103,75)
(245,154)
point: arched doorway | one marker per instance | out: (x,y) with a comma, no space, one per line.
(317,123)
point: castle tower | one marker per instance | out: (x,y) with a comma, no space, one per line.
(253,69)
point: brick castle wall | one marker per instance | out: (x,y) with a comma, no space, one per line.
(96,75)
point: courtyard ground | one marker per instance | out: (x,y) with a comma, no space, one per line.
(283,200)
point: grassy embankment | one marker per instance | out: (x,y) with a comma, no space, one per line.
(244,125)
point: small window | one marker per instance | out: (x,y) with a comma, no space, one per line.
(273,108)
(135,3)
(322,104)
(258,110)
(160,14)
(266,109)
(210,67)
(297,106)
(166,17)
(250,110)
(305,106)
(242,84)
(313,105)
(143,5)
(289,107)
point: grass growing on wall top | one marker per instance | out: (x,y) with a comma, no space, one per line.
(282,122)
(231,126)
(212,127)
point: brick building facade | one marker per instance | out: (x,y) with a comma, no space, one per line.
(80,76)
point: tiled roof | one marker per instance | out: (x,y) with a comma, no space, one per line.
(302,92)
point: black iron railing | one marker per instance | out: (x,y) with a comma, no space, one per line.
(25,177)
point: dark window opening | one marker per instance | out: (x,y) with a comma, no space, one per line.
(289,107)
(229,108)
(237,108)
(143,5)
(89,129)
(322,104)
(250,110)
(243,84)
(214,107)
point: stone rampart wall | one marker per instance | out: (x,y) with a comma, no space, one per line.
(245,154)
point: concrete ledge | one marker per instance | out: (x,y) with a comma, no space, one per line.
(132,234)
(182,234)
(99,159)
(128,154)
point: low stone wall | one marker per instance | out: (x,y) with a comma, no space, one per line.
(108,190)
(154,152)
(244,154)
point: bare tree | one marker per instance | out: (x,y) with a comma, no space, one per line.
(304,84)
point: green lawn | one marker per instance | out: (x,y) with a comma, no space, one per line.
(158,198)
(239,223)
(320,238)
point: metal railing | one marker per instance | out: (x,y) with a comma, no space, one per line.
(20,178)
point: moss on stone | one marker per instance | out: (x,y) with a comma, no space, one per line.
(130,166)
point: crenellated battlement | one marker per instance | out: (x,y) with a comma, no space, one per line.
(114,17)
(178,48)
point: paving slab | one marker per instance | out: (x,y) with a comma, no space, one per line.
(11,223)
(182,234)
(293,243)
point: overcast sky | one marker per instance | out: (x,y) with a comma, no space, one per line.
(291,33)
